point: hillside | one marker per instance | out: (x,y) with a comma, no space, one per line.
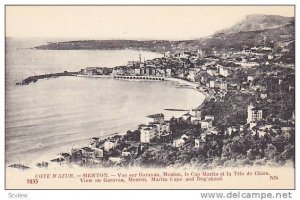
(258,22)
(238,41)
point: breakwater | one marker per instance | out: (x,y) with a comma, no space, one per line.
(35,78)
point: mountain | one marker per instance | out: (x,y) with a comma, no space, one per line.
(258,22)
(237,41)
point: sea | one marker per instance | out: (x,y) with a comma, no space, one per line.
(52,116)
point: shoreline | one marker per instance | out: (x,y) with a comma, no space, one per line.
(179,82)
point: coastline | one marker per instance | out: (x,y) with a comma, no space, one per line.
(181,83)
(183,132)
(178,81)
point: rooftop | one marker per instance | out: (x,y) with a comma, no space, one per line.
(156,115)
(87,149)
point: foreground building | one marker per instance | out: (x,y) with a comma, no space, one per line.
(147,134)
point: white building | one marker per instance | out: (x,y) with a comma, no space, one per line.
(253,114)
(108,145)
(223,71)
(266,49)
(247,64)
(231,130)
(178,142)
(263,95)
(147,133)
(184,55)
(168,72)
(126,154)
(250,78)
(167,54)
(206,124)
(270,57)
(162,128)
(209,117)
(98,152)
(212,72)
(252,124)
(184,136)
(223,86)
(196,120)
(192,74)
(200,53)
(211,84)
(115,159)
(137,71)
(199,142)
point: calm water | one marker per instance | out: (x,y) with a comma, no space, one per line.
(51,116)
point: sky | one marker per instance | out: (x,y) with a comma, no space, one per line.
(128,22)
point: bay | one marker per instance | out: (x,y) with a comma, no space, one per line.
(52,116)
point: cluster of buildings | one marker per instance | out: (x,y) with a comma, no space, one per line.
(159,128)
(180,65)
(214,71)
(97,151)
(232,72)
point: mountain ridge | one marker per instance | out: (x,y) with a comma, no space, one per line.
(256,22)
(284,31)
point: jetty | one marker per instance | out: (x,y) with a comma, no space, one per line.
(19,166)
(35,78)
(174,109)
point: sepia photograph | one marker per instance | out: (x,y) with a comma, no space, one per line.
(150,97)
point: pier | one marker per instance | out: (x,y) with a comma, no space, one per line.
(35,78)
(174,109)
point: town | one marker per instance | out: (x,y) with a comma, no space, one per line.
(247,118)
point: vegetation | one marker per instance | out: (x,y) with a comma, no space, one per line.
(237,149)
